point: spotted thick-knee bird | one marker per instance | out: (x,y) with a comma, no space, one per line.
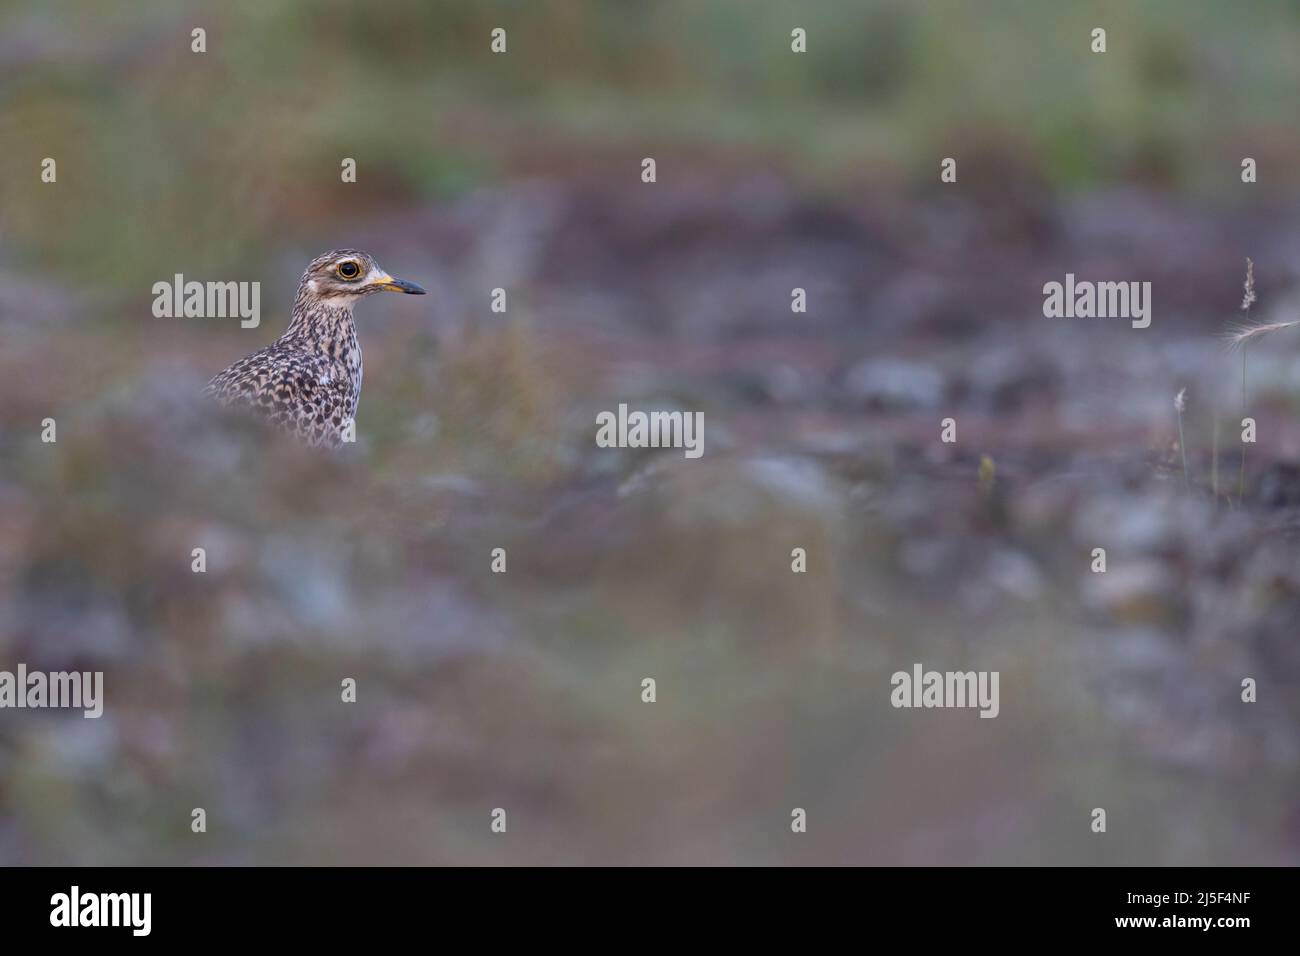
(308,381)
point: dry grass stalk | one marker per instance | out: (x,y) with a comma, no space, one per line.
(1180,403)
(1247,300)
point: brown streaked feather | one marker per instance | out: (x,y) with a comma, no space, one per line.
(308,382)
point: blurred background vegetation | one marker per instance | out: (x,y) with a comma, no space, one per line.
(775,170)
(288,88)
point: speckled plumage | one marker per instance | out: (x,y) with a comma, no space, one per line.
(308,382)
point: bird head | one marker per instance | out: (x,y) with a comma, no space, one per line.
(341,277)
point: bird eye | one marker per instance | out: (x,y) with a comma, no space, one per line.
(349,269)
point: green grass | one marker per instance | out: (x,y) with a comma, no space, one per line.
(146,132)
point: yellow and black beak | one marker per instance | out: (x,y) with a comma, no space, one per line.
(389,284)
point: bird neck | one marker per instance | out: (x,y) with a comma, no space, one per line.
(322,327)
